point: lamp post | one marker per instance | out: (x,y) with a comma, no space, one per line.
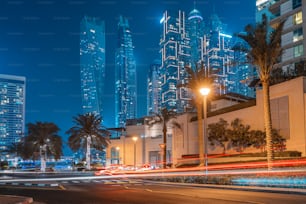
(135,140)
(205,92)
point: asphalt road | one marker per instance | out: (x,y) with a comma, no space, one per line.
(127,192)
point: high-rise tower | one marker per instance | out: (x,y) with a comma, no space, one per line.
(125,75)
(293,59)
(92,64)
(196,35)
(154,88)
(175,55)
(12,109)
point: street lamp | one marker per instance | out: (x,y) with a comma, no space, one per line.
(205,92)
(135,140)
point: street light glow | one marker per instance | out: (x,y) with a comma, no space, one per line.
(204,91)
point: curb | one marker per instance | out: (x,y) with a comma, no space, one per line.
(241,188)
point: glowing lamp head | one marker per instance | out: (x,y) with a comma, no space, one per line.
(135,139)
(204,91)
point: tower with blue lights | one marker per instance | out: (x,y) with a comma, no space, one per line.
(154,88)
(92,64)
(125,75)
(195,30)
(175,53)
(12,110)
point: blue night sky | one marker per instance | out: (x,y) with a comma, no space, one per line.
(39,39)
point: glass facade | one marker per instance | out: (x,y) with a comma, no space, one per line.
(154,88)
(12,110)
(175,54)
(92,64)
(125,76)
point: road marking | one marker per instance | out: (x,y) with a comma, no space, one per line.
(62,187)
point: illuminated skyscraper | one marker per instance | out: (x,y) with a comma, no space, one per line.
(293,57)
(12,109)
(175,55)
(92,64)
(196,34)
(125,76)
(154,88)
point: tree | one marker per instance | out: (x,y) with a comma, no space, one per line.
(88,132)
(217,133)
(264,52)
(239,135)
(197,79)
(44,138)
(164,118)
(259,140)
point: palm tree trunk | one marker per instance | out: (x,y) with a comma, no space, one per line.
(165,145)
(268,123)
(200,134)
(88,143)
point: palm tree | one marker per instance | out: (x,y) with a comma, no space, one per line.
(196,80)
(264,52)
(88,133)
(164,118)
(44,138)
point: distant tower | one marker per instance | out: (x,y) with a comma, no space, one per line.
(196,26)
(175,55)
(12,110)
(125,76)
(92,64)
(154,88)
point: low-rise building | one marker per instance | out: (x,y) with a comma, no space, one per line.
(288,112)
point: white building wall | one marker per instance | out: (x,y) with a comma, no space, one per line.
(185,140)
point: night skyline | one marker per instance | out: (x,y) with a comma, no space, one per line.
(40,40)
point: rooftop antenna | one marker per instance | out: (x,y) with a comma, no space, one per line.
(194,4)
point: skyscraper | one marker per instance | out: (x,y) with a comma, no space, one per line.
(125,75)
(293,56)
(154,88)
(175,56)
(92,64)
(196,35)
(12,109)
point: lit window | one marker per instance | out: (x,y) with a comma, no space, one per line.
(298,18)
(298,35)
(298,50)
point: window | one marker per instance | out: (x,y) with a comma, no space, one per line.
(298,35)
(298,50)
(298,18)
(296,3)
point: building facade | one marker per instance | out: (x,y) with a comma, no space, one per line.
(175,56)
(193,41)
(154,88)
(125,75)
(293,12)
(12,110)
(92,64)
(288,113)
